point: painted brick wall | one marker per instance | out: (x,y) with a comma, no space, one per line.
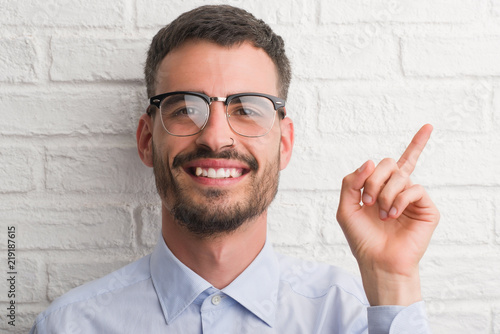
(367,75)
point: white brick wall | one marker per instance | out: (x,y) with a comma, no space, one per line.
(367,75)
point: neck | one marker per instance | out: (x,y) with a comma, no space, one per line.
(219,259)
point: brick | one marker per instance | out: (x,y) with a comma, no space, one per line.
(150,223)
(497,217)
(29,280)
(463,213)
(87,59)
(355,54)
(327,204)
(104,111)
(450,274)
(459,161)
(292,220)
(496,105)
(65,276)
(325,160)
(18,60)
(447,56)
(496,320)
(25,317)
(97,170)
(91,13)
(371,107)
(73,227)
(296,11)
(495,10)
(301,105)
(448,11)
(16,169)
(274,12)
(163,12)
(467,320)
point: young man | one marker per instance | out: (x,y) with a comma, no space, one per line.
(217,136)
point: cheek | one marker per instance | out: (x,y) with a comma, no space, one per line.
(167,145)
(266,150)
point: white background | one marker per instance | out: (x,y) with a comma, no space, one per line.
(367,75)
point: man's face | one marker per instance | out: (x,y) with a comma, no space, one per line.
(211,204)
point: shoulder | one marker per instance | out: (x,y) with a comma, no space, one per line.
(315,280)
(106,288)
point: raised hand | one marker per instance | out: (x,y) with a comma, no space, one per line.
(388,222)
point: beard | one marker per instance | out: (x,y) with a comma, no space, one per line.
(217,213)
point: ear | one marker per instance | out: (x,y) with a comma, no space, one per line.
(144,138)
(287,138)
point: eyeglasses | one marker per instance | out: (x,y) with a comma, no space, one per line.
(248,114)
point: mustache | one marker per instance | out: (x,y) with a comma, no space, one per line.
(202,153)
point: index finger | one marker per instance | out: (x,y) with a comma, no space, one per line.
(409,158)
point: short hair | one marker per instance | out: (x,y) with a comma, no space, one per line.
(224,25)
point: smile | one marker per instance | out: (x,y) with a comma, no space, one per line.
(219,173)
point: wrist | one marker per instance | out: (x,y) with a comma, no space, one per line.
(389,288)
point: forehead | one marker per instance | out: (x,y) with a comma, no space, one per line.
(216,70)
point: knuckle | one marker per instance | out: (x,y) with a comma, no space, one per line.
(346,179)
(389,162)
(370,184)
(400,199)
(419,187)
(384,199)
(400,173)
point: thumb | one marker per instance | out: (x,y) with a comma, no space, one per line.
(350,194)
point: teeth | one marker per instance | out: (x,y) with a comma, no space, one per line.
(220,173)
(235,172)
(211,173)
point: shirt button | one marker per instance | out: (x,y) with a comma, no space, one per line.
(216,300)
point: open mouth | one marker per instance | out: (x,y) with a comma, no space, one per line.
(217,173)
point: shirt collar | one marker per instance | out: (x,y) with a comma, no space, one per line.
(256,288)
(177,286)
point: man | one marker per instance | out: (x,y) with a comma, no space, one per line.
(217,137)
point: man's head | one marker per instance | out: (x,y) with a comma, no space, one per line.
(223,25)
(216,179)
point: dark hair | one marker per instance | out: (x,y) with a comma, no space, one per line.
(224,25)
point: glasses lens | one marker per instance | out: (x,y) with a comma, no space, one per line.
(251,116)
(183,114)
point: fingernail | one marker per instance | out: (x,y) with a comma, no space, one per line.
(367,198)
(383,214)
(363,166)
(393,211)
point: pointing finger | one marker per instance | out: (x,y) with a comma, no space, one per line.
(409,158)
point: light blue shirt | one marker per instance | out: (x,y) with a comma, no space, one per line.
(275,294)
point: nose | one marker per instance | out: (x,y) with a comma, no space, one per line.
(216,134)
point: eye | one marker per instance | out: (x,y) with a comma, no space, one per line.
(184,111)
(245,111)
(179,106)
(250,107)
(188,111)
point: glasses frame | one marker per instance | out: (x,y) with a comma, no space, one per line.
(278,103)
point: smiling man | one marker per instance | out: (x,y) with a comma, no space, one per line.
(217,136)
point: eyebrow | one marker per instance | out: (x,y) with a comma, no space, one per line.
(175,98)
